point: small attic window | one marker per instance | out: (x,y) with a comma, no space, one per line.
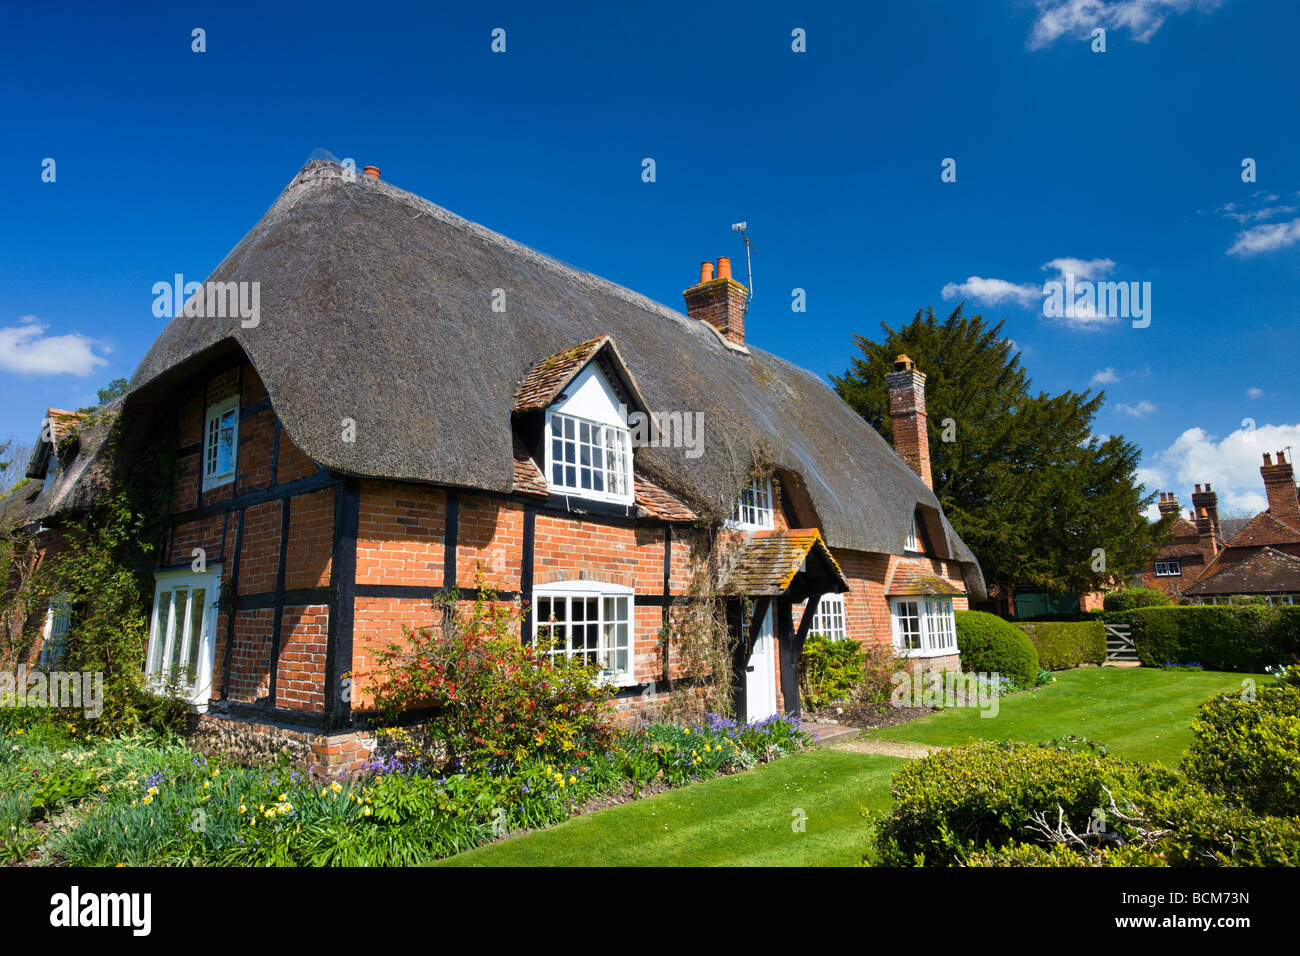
(220,442)
(913,542)
(588,443)
(755,510)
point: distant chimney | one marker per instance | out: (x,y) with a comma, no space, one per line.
(720,301)
(907,409)
(1168,503)
(1205,533)
(371,171)
(1279,485)
(1207,502)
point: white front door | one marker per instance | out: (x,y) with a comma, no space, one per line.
(760,678)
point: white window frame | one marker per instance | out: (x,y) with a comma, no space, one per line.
(211,430)
(755,506)
(606,627)
(1169,569)
(913,543)
(163,633)
(622,437)
(54,641)
(831,619)
(937,625)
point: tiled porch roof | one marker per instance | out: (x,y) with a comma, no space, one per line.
(767,563)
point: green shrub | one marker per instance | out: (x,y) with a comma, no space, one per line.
(1063,645)
(1248,750)
(977,805)
(493,699)
(989,645)
(1226,638)
(980,796)
(830,671)
(1126,599)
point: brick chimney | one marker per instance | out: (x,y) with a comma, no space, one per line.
(719,301)
(907,409)
(1205,534)
(1168,503)
(1279,485)
(1207,501)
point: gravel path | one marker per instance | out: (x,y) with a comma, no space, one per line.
(890,748)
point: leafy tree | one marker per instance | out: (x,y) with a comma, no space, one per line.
(1021,476)
(114,389)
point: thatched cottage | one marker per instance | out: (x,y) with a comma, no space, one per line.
(421,405)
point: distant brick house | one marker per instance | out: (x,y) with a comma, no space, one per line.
(1214,561)
(425,405)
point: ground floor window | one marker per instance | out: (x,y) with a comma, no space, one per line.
(923,626)
(54,646)
(829,621)
(181,635)
(589,620)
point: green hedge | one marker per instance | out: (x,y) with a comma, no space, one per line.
(1129,599)
(990,645)
(1062,645)
(973,804)
(1224,638)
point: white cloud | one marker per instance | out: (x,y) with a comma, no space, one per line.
(993,291)
(1229,464)
(1105,376)
(1265,238)
(1140,410)
(1079,268)
(27,350)
(1245,214)
(1254,392)
(1078,18)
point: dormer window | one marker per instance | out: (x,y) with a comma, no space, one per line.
(754,508)
(588,458)
(588,443)
(913,543)
(220,442)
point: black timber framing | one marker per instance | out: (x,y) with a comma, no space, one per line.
(230,608)
(526,572)
(342,606)
(450,539)
(277,622)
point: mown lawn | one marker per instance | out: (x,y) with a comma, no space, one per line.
(741,820)
(744,820)
(1140,713)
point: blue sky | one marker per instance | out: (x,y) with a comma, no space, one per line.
(1128,162)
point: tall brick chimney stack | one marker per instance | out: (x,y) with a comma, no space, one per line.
(1279,485)
(1207,501)
(719,300)
(1168,503)
(1207,539)
(907,409)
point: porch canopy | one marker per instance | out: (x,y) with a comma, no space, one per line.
(777,570)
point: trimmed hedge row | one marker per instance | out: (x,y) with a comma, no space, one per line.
(1225,638)
(1062,645)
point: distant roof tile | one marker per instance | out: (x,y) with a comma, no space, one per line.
(1268,571)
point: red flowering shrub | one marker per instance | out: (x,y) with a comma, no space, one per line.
(494,700)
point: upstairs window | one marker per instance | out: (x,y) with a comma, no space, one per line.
(1168,569)
(220,442)
(754,508)
(588,443)
(829,619)
(587,620)
(913,543)
(588,458)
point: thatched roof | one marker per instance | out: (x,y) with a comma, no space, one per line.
(377,306)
